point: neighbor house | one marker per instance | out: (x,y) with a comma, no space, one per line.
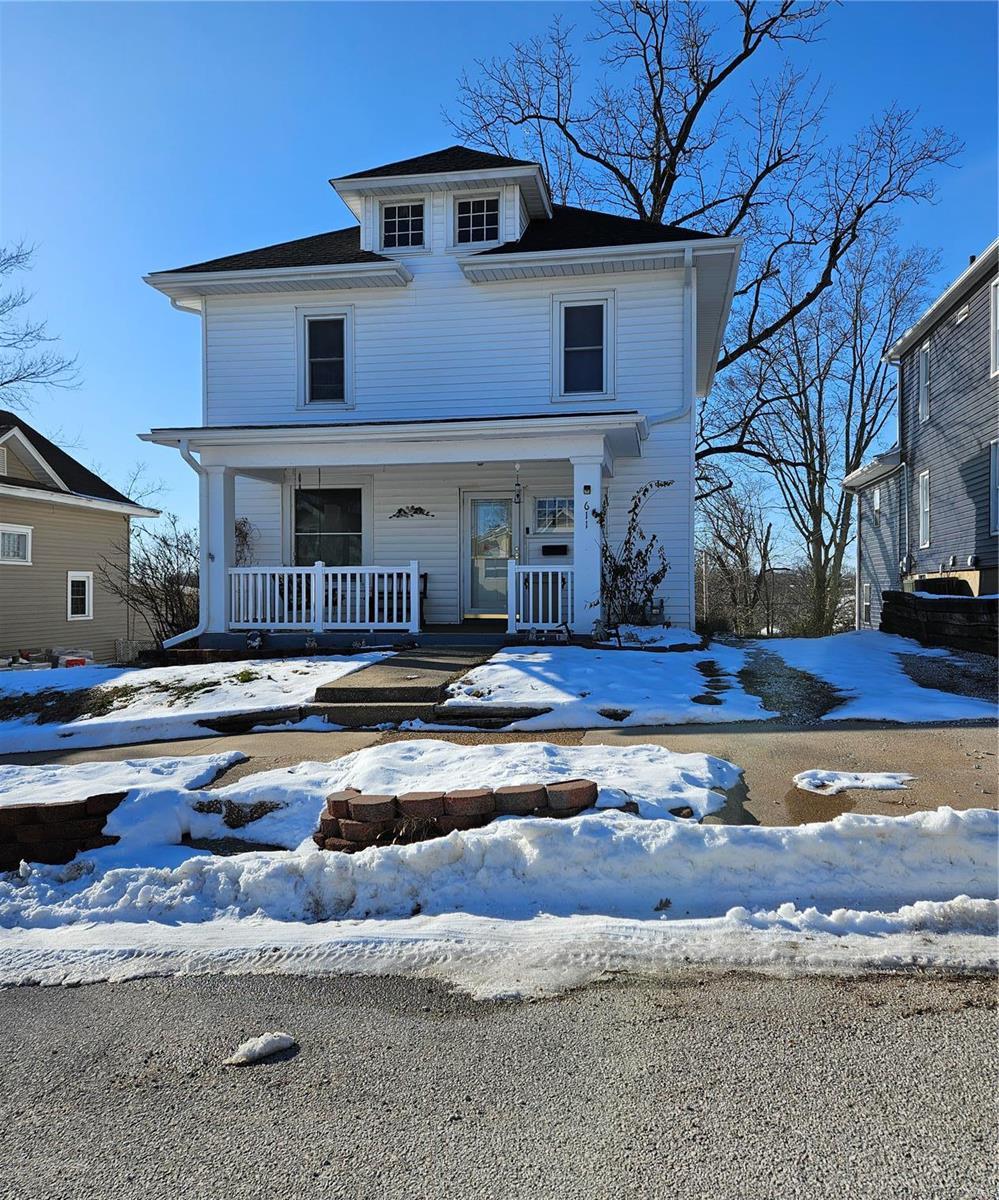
(58,523)
(928,509)
(414,419)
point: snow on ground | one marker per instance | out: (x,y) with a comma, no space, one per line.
(165,703)
(864,666)
(582,686)
(831,783)
(662,637)
(521,905)
(66,784)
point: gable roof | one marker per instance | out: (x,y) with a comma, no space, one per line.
(452,158)
(319,250)
(571,228)
(76,477)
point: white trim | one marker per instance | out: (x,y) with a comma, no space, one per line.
(365,483)
(446,180)
(923,508)
(457,198)
(16,435)
(923,395)
(3,460)
(560,302)
(304,313)
(994,329)
(27,531)
(75,577)
(333,275)
(75,501)
(530,258)
(465,498)
(428,217)
(876,505)
(994,487)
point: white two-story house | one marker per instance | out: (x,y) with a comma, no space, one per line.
(418,415)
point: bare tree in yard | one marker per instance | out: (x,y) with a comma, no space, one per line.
(827,395)
(736,545)
(687,126)
(156,574)
(27,359)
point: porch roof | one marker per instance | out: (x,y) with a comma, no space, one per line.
(437,439)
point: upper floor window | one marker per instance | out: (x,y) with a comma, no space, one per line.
(924,382)
(80,596)
(877,506)
(325,339)
(584,354)
(994,327)
(477,220)
(402,225)
(15,544)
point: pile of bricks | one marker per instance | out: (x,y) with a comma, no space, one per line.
(352,820)
(54,833)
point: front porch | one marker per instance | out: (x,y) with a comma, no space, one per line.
(439,531)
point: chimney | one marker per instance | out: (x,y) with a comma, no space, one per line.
(971,259)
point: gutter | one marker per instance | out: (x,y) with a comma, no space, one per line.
(202,625)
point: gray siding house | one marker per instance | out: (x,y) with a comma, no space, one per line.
(58,521)
(928,509)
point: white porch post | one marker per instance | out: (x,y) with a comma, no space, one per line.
(512,599)
(220,534)
(586,490)
(414,595)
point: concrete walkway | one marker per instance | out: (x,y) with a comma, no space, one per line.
(954,765)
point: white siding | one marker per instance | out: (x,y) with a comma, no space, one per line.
(260,502)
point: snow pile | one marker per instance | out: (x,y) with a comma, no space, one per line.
(655,636)
(831,783)
(165,703)
(254,1049)
(601,689)
(864,667)
(67,784)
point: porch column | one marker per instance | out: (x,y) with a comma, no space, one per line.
(587,473)
(220,536)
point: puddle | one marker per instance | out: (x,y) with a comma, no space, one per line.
(804,808)
(705,698)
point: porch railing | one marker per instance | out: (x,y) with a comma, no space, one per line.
(321,598)
(538,597)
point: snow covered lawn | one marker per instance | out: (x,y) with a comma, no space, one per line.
(600,689)
(521,905)
(864,666)
(113,706)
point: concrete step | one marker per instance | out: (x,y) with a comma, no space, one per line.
(368,716)
(413,676)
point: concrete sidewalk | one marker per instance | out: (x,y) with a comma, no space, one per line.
(954,765)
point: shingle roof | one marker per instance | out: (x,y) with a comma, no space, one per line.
(320,250)
(74,474)
(453,158)
(572,228)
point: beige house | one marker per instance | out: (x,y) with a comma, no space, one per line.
(58,521)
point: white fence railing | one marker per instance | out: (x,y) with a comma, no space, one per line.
(325,598)
(538,597)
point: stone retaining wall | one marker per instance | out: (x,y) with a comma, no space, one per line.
(959,622)
(54,833)
(352,820)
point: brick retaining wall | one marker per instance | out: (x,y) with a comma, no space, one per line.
(54,833)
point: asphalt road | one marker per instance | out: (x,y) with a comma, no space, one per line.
(722,1087)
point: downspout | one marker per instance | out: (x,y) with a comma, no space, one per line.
(199,629)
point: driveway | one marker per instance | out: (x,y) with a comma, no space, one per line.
(713,1086)
(954,765)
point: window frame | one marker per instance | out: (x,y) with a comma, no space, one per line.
(396,202)
(86,577)
(460,197)
(876,505)
(865,602)
(303,315)
(994,328)
(4,461)
(560,302)
(994,487)
(554,530)
(924,376)
(28,531)
(336,486)
(921,508)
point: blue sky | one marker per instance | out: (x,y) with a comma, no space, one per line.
(138,137)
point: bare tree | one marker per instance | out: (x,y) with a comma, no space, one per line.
(667,134)
(736,546)
(826,394)
(27,359)
(155,573)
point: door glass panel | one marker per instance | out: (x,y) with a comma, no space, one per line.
(491,545)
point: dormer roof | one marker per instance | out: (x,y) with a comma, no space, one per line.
(452,158)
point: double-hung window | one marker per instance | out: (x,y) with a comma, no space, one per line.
(477,220)
(324,341)
(924,509)
(877,506)
(79,596)
(994,327)
(402,225)
(867,604)
(15,544)
(583,365)
(328,526)
(994,487)
(924,382)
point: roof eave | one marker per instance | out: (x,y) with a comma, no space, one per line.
(178,284)
(539,204)
(78,500)
(884,465)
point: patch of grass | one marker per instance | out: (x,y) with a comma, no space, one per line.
(51,705)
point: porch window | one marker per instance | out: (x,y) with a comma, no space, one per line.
(325,343)
(553,512)
(328,527)
(402,225)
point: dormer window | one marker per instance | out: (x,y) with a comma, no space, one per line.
(402,225)
(477,220)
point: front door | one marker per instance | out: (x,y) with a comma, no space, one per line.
(488,544)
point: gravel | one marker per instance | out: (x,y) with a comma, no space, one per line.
(965,672)
(722,1087)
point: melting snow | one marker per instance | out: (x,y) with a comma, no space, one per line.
(831,783)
